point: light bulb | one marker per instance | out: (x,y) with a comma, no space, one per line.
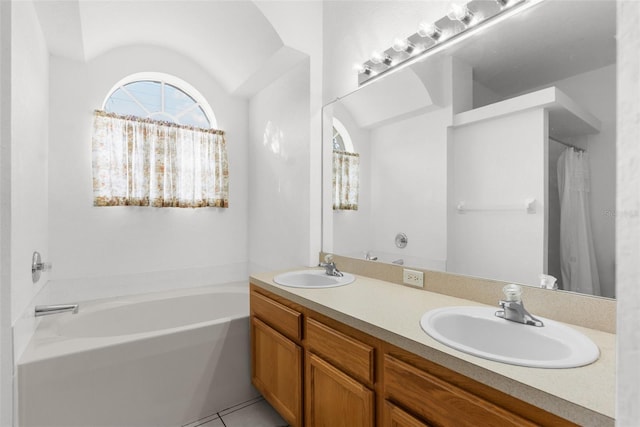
(377,57)
(403,45)
(427,29)
(400,45)
(362,69)
(380,58)
(460,13)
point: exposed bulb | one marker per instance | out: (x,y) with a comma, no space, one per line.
(380,58)
(377,57)
(400,45)
(362,69)
(427,29)
(460,13)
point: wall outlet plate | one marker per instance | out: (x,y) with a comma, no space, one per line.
(413,278)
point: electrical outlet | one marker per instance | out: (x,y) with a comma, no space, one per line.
(413,278)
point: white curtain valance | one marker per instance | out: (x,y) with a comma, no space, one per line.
(144,162)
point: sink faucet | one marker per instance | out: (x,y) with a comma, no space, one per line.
(513,307)
(43,310)
(330,266)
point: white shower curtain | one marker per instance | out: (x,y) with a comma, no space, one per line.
(577,256)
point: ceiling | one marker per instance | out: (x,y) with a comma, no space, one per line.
(232,40)
(546,43)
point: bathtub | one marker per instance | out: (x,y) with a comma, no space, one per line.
(162,359)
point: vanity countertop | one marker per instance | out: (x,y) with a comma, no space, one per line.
(392,312)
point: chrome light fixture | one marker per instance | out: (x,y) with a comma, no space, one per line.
(462,21)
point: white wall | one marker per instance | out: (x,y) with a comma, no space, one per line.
(29,155)
(279,162)
(300,26)
(94,242)
(408,187)
(498,162)
(6,342)
(628,215)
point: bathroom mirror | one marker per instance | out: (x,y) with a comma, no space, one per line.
(460,153)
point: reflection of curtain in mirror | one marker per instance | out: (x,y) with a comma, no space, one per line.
(345,180)
(577,256)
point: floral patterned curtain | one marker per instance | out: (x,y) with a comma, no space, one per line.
(144,162)
(345,180)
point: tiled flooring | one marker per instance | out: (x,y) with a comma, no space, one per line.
(254,413)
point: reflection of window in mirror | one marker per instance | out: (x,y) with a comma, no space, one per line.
(346,165)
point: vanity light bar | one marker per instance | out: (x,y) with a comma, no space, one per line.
(462,21)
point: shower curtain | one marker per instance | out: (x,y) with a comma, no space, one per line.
(577,256)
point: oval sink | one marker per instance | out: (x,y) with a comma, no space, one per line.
(477,331)
(312,279)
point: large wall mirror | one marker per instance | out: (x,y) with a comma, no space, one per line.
(492,158)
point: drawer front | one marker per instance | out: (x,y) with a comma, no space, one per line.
(349,354)
(396,417)
(441,403)
(282,318)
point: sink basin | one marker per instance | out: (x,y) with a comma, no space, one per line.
(477,331)
(312,279)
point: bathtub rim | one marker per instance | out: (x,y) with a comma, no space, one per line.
(46,343)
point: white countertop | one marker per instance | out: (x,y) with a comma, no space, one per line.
(392,312)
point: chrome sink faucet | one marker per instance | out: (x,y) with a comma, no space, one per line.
(513,307)
(330,266)
(43,310)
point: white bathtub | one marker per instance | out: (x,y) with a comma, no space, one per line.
(162,359)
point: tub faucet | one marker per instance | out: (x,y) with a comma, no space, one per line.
(330,267)
(513,308)
(43,310)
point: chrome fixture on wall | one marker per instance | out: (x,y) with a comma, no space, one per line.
(401,240)
(462,21)
(37,266)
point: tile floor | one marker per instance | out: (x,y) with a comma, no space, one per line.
(254,413)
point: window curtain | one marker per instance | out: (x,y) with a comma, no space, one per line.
(144,162)
(345,180)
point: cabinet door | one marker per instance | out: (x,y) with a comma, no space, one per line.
(276,371)
(334,399)
(396,417)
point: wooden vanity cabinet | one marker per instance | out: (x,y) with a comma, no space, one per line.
(339,377)
(318,372)
(276,362)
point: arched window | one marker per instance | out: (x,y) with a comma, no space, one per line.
(154,145)
(346,169)
(160,97)
(341,138)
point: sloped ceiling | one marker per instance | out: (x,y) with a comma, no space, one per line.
(232,40)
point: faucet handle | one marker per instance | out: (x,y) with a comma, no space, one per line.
(512,293)
(328,258)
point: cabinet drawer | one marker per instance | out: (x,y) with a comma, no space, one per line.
(438,402)
(282,318)
(396,417)
(349,354)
